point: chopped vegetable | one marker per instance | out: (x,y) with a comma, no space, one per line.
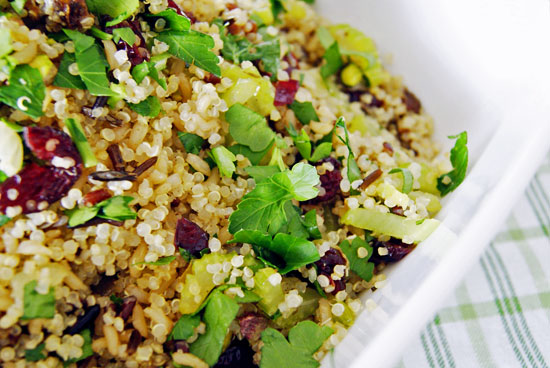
(304,111)
(249,128)
(304,340)
(224,160)
(389,224)
(36,305)
(254,157)
(162,261)
(115,208)
(151,68)
(260,173)
(220,311)
(126,34)
(148,107)
(25,91)
(113,8)
(184,327)
(11,154)
(174,21)
(192,142)
(18,5)
(407,178)
(86,348)
(65,79)
(81,142)
(36,354)
(353,170)
(271,292)
(351,75)
(448,182)
(358,253)
(333,61)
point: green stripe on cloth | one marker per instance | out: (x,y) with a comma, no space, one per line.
(515,234)
(427,351)
(534,201)
(444,342)
(435,345)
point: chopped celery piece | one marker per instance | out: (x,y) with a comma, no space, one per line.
(198,282)
(11,154)
(347,317)
(265,15)
(43,64)
(5,45)
(428,179)
(81,143)
(433,206)
(364,124)
(304,311)
(390,224)
(249,89)
(272,295)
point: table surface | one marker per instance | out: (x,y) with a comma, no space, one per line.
(499,316)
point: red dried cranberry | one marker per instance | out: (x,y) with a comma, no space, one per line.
(137,53)
(325,266)
(47,143)
(330,181)
(190,237)
(211,78)
(411,101)
(285,92)
(238,355)
(252,325)
(397,250)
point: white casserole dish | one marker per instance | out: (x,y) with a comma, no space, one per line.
(479,66)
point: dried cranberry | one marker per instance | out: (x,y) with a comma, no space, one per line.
(411,101)
(190,237)
(355,95)
(238,355)
(375,102)
(330,181)
(47,143)
(211,78)
(285,92)
(325,266)
(96,196)
(252,325)
(397,250)
(137,53)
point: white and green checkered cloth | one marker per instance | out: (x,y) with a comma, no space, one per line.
(499,316)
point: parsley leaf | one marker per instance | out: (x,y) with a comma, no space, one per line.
(92,64)
(304,111)
(126,34)
(36,354)
(37,305)
(353,170)
(148,107)
(25,90)
(18,5)
(263,208)
(65,79)
(304,145)
(151,68)
(116,299)
(276,7)
(448,182)
(304,340)
(192,142)
(259,173)
(285,252)
(254,157)
(86,348)
(333,61)
(249,128)
(193,47)
(162,261)
(3,176)
(220,311)
(407,179)
(174,21)
(322,151)
(224,159)
(114,208)
(360,266)
(113,8)
(81,142)
(185,327)
(4,219)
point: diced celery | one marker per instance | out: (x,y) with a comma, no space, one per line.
(81,142)
(295,9)
(390,224)
(11,154)
(266,15)
(377,75)
(428,180)
(433,207)
(305,310)
(351,41)
(43,64)
(5,45)
(388,191)
(364,124)
(347,317)
(272,295)
(198,282)
(250,89)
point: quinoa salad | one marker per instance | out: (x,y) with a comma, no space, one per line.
(206,183)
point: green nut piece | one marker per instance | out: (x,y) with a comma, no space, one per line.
(351,75)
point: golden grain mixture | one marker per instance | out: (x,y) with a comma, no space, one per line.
(186,182)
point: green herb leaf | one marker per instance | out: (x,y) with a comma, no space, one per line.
(263,208)
(185,327)
(37,305)
(325,37)
(220,311)
(193,47)
(174,21)
(148,107)
(81,142)
(18,5)
(162,261)
(86,348)
(126,34)
(116,299)
(116,208)
(277,7)
(3,176)
(302,142)
(361,266)
(65,79)
(249,297)
(285,252)
(249,128)
(254,157)
(304,111)
(407,179)
(333,61)
(79,216)
(36,354)
(98,33)
(304,340)
(354,173)
(322,151)
(224,160)
(151,68)
(259,173)
(448,182)
(113,8)
(92,64)
(25,91)
(4,219)
(192,142)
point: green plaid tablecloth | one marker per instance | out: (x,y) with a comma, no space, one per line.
(499,316)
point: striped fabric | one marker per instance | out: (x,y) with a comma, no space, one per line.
(499,316)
